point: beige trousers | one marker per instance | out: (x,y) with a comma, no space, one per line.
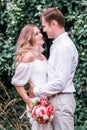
(64,111)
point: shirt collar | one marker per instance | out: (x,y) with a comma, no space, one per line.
(59,37)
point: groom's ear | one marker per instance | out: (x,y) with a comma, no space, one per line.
(54,24)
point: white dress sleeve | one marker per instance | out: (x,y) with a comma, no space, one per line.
(22,74)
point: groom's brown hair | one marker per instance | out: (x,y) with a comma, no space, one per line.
(54,14)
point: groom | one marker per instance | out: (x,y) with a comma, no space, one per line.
(62,65)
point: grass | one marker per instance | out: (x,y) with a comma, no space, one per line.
(11,108)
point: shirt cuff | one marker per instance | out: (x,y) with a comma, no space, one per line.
(36,91)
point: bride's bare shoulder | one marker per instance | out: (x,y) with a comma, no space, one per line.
(28,57)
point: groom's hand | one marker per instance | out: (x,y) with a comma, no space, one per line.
(31,93)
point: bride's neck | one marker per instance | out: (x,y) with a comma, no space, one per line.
(36,50)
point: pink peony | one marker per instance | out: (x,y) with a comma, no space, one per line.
(44,102)
(43,112)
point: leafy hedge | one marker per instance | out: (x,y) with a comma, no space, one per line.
(15,14)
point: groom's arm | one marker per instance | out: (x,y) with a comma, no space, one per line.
(62,75)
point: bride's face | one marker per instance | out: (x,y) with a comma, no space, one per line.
(38,37)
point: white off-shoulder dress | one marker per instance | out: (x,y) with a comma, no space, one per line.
(36,72)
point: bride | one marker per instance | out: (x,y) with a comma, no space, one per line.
(31,65)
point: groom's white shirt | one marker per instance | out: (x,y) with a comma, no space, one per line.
(62,65)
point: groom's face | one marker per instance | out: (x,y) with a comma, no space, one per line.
(47,28)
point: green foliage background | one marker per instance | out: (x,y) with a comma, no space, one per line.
(14,14)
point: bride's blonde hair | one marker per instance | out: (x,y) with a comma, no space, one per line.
(25,42)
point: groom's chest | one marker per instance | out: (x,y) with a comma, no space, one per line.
(52,60)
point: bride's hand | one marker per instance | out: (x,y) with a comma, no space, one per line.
(30,106)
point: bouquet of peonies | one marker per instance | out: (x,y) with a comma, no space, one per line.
(42,111)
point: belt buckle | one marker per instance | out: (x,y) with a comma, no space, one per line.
(52,96)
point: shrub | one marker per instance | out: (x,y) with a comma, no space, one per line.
(15,14)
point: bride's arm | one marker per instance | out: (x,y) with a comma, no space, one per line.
(22,92)
(21,77)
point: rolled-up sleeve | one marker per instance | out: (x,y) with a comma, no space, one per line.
(22,74)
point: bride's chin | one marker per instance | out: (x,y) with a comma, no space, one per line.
(42,43)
